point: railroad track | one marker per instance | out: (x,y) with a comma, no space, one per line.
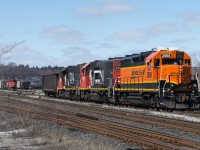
(149,139)
(170,123)
(194,113)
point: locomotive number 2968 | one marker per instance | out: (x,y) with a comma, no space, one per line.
(166,55)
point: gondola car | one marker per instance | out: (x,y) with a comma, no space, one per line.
(49,84)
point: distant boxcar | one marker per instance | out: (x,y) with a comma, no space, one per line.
(23,84)
(50,83)
(36,85)
(3,85)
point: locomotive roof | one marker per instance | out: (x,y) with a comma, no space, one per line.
(142,54)
(84,66)
(69,67)
(114,58)
(151,56)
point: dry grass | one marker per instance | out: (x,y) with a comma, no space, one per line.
(51,135)
(78,145)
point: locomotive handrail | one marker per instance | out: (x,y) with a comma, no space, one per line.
(197,81)
(114,87)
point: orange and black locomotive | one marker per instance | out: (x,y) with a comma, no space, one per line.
(156,78)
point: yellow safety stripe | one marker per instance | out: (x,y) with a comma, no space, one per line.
(135,89)
(133,67)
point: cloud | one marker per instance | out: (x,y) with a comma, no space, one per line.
(27,33)
(130,35)
(182,41)
(190,18)
(109,8)
(106,45)
(77,55)
(25,55)
(143,35)
(161,29)
(63,35)
(69,56)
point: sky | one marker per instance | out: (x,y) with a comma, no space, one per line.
(70,32)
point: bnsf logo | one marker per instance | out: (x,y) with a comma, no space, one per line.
(138,73)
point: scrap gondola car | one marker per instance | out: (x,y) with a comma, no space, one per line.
(49,84)
(156,78)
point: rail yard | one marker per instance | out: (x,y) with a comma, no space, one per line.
(100,75)
(145,129)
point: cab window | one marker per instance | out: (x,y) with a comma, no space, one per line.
(172,61)
(187,61)
(149,65)
(156,62)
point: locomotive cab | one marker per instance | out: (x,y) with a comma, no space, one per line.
(69,82)
(178,88)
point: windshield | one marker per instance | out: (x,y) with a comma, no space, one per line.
(172,61)
(97,76)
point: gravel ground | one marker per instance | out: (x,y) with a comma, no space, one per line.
(91,139)
(16,133)
(185,117)
(175,132)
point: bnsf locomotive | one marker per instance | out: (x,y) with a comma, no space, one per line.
(156,78)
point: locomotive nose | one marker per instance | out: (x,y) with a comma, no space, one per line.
(179,76)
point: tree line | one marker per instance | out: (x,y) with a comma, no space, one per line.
(23,72)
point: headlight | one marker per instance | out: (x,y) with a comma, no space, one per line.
(171,85)
(194,85)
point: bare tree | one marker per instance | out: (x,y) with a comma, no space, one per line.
(196,68)
(196,61)
(4,51)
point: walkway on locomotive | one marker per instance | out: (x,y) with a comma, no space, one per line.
(171,66)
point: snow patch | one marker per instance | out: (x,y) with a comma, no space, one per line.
(159,114)
(9,133)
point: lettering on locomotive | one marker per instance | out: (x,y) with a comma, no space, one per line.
(138,73)
(179,73)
